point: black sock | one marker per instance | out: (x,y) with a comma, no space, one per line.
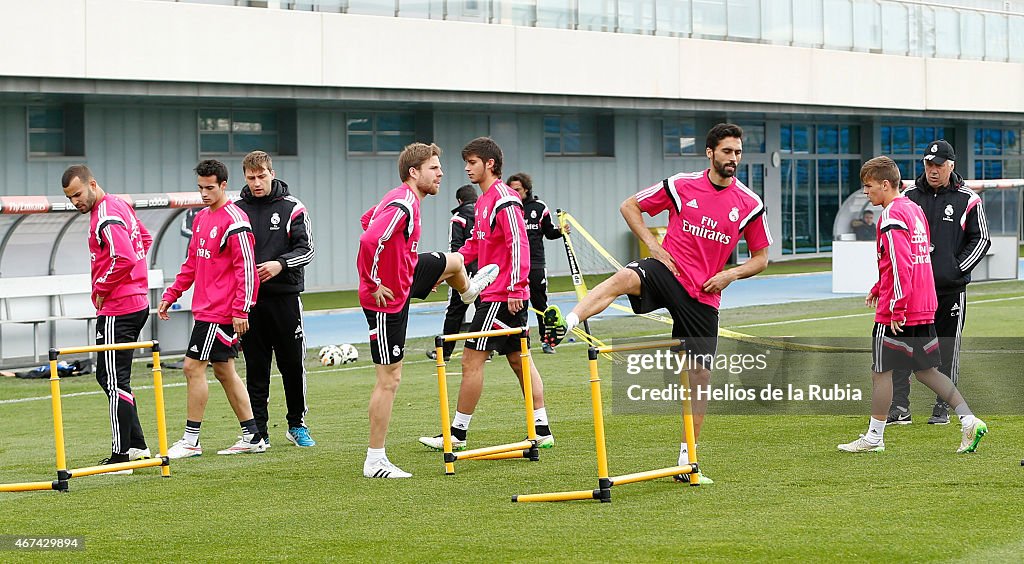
(249,428)
(542,430)
(459,434)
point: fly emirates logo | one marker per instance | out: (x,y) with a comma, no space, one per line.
(708,229)
(920,251)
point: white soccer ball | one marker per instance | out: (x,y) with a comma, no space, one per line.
(331,355)
(349,354)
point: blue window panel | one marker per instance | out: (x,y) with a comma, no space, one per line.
(360,143)
(886,134)
(801,139)
(786,138)
(46,118)
(993,169)
(849,139)
(978,135)
(923,136)
(992,142)
(359,122)
(552,124)
(253,121)
(979,173)
(396,122)
(901,140)
(46,143)
(246,142)
(214,120)
(828,139)
(553,145)
(786,175)
(1011,142)
(393,144)
(214,143)
(753,138)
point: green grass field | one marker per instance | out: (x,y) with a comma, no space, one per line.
(782,491)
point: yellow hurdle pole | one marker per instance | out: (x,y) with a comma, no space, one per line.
(496,449)
(161,420)
(604,485)
(478,334)
(652,474)
(442,390)
(689,437)
(524,358)
(107,468)
(504,455)
(557,496)
(28,487)
(108,347)
(58,424)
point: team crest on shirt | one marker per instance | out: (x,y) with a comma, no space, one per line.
(396,350)
(734,214)
(213,232)
(533,214)
(275,222)
(948,213)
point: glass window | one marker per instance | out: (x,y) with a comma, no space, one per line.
(570,135)
(709,18)
(838,26)
(896,40)
(679,138)
(744,19)
(45,131)
(805,208)
(753,137)
(777,23)
(996,44)
(947,33)
(635,16)
(786,138)
(673,17)
(828,139)
(1011,142)
(379,133)
(1015,26)
(867,26)
(594,15)
(849,139)
(237,132)
(807,19)
(801,138)
(886,135)
(901,140)
(972,35)
(786,175)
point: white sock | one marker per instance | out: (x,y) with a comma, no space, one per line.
(875,431)
(461,420)
(374,454)
(684,454)
(540,416)
(571,321)
(966,417)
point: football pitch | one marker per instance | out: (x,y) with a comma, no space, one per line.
(782,491)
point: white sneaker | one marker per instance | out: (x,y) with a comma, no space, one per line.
(383,468)
(181,449)
(862,445)
(972,436)
(479,281)
(437,443)
(139,453)
(245,446)
(545,441)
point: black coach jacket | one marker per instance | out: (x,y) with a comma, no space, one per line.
(539,224)
(960,238)
(283,233)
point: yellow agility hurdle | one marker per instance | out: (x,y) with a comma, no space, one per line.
(63,474)
(521,449)
(605,482)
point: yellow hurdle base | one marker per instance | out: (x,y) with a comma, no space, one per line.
(28,486)
(604,492)
(107,468)
(480,453)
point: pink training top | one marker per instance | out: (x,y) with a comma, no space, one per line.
(222,264)
(388,248)
(118,243)
(499,237)
(905,287)
(704,225)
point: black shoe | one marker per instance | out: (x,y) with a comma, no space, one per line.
(898,416)
(940,414)
(432,354)
(116,459)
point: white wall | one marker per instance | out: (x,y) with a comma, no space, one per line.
(168,41)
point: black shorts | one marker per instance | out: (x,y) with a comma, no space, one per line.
(916,348)
(213,342)
(387,334)
(495,315)
(429,268)
(694,322)
(388,330)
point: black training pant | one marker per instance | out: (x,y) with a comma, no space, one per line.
(949,324)
(539,294)
(275,326)
(114,373)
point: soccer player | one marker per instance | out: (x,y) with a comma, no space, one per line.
(904,301)
(118,243)
(499,236)
(708,211)
(538,227)
(284,246)
(959,235)
(220,262)
(459,229)
(391,273)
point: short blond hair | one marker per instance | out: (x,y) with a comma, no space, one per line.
(257,160)
(413,156)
